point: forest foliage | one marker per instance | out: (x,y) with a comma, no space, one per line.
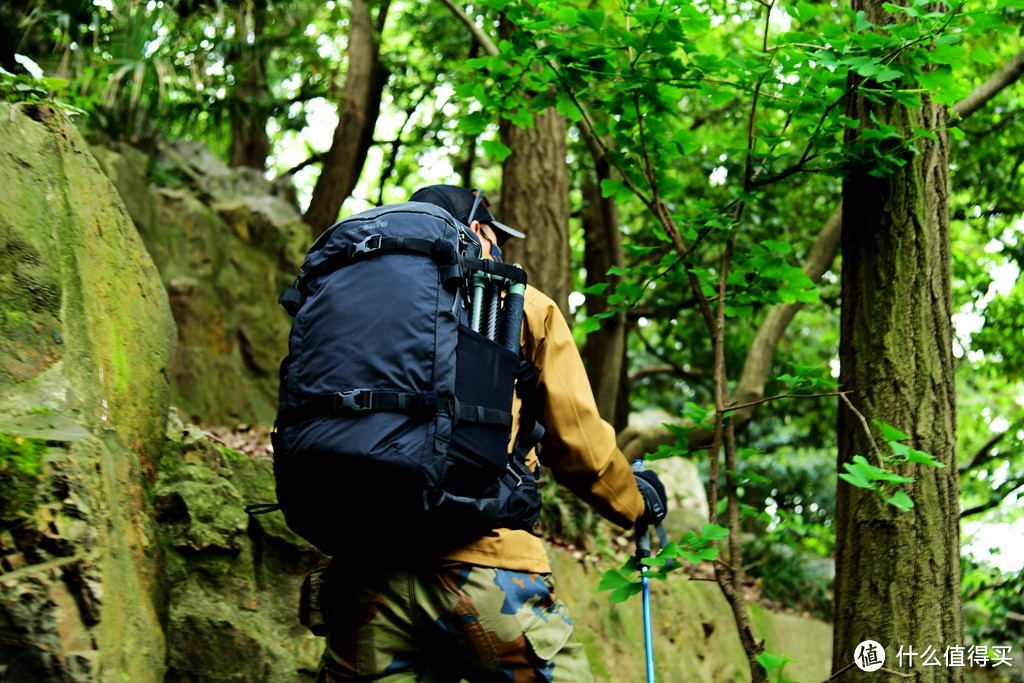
(720,131)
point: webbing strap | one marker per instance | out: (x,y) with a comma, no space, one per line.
(441,250)
(357,401)
(525,442)
(502,270)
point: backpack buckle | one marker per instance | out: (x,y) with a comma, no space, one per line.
(354,401)
(368,245)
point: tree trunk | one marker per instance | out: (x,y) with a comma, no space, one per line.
(357,116)
(535,199)
(898,573)
(604,353)
(250,143)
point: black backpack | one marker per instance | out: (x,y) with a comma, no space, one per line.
(396,394)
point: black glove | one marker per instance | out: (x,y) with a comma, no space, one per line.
(655,499)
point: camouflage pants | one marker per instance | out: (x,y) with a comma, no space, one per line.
(448,623)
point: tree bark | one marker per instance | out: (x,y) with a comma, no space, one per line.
(535,199)
(604,353)
(357,117)
(250,143)
(898,572)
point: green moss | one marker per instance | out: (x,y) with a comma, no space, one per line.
(230,453)
(21,470)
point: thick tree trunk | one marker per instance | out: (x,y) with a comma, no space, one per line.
(898,573)
(535,199)
(357,116)
(250,143)
(605,350)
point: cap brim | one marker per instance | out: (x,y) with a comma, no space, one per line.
(510,231)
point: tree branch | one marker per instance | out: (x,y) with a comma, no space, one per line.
(984,454)
(479,36)
(999,495)
(1010,72)
(315,159)
(758,364)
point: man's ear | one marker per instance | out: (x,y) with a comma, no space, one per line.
(475,227)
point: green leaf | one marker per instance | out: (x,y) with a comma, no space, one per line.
(626,592)
(805,11)
(749,476)
(31,67)
(568,15)
(856,480)
(612,579)
(594,18)
(616,188)
(713,532)
(521,117)
(771,662)
(923,458)
(890,433)
(719,98)
(982,56)
(496,149)
(860,21)
(591,324)
(948,54)
(595,289)
(901,500)
(706,555)
(776,245)
(53,83)
(886,75)
(473,123)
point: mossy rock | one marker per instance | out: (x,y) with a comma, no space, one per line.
(86,340)
(225,248)
(234,580)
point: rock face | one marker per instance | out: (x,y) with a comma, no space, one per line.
(225,247)
(86,341)
(233,580)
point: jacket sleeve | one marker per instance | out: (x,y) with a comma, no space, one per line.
(579,446)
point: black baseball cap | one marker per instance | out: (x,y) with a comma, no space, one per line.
(465,206)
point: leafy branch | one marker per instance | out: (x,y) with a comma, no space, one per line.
(881,478)
(33,86)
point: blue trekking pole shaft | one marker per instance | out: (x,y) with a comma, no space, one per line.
(643,543)
(643,549)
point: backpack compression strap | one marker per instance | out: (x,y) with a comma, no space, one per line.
(423,406)
(440,250)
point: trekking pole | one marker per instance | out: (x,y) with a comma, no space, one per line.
(514,315)
(493,301)
(643,549)
(643,541)
(478,282)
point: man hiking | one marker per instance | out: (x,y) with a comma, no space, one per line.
(487,610)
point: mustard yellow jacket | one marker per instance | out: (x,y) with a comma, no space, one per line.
(578,446)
